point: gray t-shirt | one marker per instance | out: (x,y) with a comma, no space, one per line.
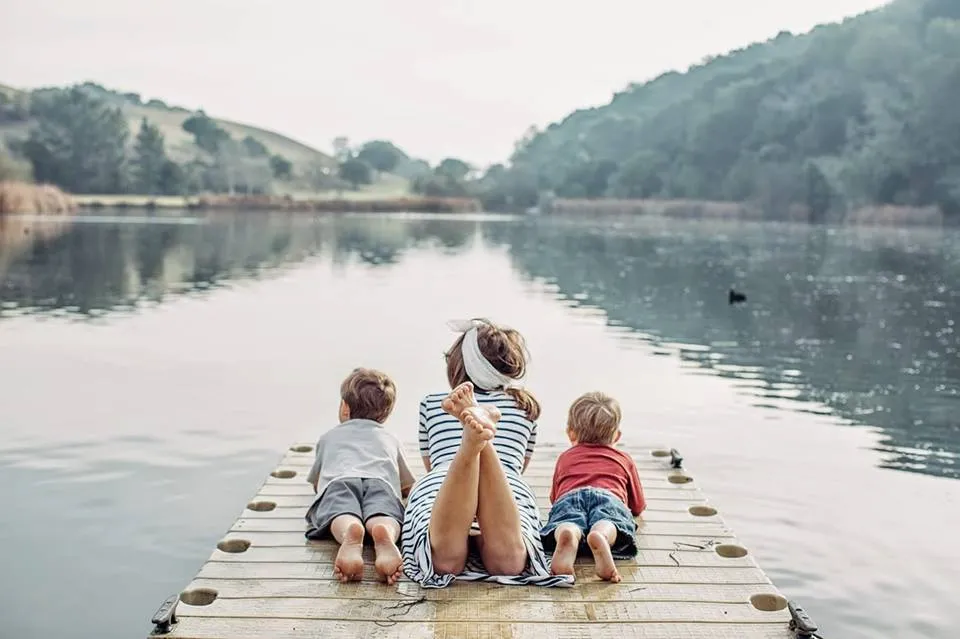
(360,448)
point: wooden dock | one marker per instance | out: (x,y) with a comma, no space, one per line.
(691,580)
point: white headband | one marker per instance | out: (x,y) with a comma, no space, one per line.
(480,371)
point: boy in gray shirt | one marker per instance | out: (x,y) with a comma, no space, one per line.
(360,476)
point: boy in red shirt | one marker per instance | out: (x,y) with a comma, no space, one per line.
(596,491)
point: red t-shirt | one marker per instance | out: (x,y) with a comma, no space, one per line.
(598,466)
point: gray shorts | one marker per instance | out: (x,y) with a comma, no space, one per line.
(362,498)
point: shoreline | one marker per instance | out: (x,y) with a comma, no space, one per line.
(871,215)
(30,200)
(413,203)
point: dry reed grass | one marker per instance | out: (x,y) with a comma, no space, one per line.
(21,197)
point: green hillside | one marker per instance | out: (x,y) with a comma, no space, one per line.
(231,155)
(853,114)
(169,120)
(181,143)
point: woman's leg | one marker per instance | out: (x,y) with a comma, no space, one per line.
(456,502)
(502,549)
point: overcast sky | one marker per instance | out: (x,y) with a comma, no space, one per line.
(438,77)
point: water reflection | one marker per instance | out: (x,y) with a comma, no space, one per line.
(88,269)
(859,323)
(856,323)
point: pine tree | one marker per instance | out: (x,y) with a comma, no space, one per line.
(149,160)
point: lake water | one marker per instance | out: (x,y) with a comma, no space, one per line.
(154,368)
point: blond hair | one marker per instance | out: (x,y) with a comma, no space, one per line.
(594,418)
(369,394)
(506,351)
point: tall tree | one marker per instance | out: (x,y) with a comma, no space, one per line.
(149,159)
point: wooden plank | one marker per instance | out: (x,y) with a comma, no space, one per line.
(544,455)
(538,465)
(632,574)
(682,493)
(326,553)
(303,501)
(648,515)
(648,542)
(238,628)
(292,474)
(485,611)
(297,524)
(689,580)
(589,591)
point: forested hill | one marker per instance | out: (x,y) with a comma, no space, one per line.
(852,114)
(86,138)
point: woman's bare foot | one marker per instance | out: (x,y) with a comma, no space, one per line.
(348,565)
(565,554)
(605,566)
(388,560)
(479,423)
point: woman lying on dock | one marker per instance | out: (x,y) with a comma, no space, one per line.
(472,516)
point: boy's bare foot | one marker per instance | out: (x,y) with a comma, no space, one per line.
(388,559)
(479,423)
(348,565)
(565,553)
(605,566)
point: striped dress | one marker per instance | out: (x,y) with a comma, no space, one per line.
(440,436)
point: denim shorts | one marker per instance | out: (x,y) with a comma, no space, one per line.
(583,508)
